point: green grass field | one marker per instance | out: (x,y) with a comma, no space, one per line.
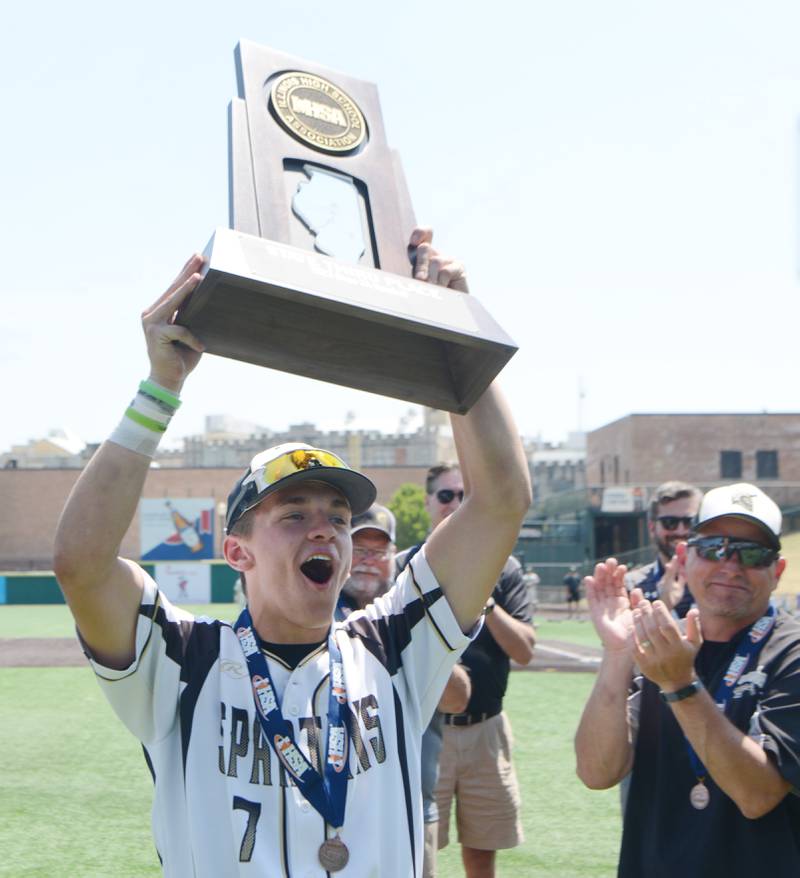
(75,794)
(569,630)
(54,620)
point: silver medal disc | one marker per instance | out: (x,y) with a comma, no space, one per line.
(699,796)
(333,854)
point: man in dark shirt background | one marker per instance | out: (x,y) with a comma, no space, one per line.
(573,585)
(475,764)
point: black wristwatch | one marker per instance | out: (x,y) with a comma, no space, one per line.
(686,692)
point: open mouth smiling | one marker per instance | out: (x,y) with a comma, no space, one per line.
(318,568)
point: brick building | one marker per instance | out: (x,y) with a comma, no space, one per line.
(32,500)
(35,479)
(705,449)
(628,458)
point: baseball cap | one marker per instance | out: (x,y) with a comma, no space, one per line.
(746,502)
(292,462)
(377,517)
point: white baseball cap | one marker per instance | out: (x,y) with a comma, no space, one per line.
(743,501)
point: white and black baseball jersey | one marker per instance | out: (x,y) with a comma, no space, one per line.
(224,805)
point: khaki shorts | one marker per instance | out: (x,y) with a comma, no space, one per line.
(429,858)
(475,766)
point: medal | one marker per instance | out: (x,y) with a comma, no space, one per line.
(699,796)
(325,790)
(747,652)
(333,854)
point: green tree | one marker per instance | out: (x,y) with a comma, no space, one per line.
(413,521)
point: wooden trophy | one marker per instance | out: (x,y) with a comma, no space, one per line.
(314,275)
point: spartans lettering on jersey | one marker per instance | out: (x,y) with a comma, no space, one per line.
(245,753)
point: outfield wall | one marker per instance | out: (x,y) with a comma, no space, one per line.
(34,498)
(40,587)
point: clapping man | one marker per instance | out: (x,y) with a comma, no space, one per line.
(711,733)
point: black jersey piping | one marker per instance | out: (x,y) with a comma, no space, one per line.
(402,758)
(149,762)
(387,636)
(429,599)
(284,835)
(201,654)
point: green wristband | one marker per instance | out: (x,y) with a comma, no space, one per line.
(144,421)
(158,392)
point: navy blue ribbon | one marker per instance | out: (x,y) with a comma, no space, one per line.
(751,642)
(327,792)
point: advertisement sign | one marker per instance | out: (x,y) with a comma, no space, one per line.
(185,583)
(618,500)
(176,528)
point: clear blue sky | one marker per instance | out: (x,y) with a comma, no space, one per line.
(620,179)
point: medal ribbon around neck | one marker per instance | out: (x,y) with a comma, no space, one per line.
(326,792)
(751,642)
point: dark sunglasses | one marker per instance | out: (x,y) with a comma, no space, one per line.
(671,522)
(445,496)
(718,548)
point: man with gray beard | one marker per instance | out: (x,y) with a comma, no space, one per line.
(373,534)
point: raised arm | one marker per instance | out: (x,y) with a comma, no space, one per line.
(103,591)
(467,551)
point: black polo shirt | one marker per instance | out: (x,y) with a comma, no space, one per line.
(664,836)
(485,659)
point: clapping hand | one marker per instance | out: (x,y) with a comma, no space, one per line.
(662,651)
(610,605)
(672,584)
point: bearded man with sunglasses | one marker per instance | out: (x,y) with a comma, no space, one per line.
(673,509)
(475,766)
(709,724)
(284,744)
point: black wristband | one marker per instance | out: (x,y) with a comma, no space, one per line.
(692,689)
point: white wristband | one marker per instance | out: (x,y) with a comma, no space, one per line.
(145,420)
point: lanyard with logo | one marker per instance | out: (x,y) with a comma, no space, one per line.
(327,792)
(751,642)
